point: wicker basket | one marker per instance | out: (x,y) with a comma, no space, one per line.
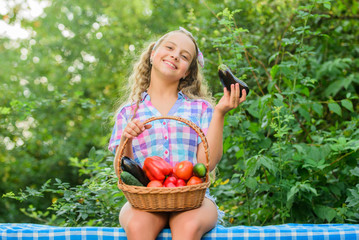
(154,199)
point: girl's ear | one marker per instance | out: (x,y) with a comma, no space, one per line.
(152,55)
(188,72)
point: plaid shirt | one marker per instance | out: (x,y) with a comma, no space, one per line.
(172,140)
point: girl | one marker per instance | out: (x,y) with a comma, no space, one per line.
(167,81)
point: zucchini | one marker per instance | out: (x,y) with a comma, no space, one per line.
(128,165)
(129,179)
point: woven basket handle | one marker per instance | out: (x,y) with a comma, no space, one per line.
(120,150)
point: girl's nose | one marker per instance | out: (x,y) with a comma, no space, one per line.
(175,55)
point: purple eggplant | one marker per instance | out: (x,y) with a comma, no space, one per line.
(227,78)
(132,167)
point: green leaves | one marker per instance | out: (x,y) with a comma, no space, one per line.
(347,104)
(5,110)
(299,188)
(353,198)
(318,108)
(254,163)
(91,203)
(315,164)
(334,107)
(325,212)
(303,133)
(342,144)
(355,171)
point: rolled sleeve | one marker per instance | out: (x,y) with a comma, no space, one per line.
(120,124)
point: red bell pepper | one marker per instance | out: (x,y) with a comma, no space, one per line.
(156,168)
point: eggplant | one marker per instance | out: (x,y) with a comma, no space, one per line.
(227,78)
(129,165)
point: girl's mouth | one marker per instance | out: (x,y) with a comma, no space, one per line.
(170,64)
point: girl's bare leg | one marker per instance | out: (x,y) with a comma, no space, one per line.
(193,224)
(140,224)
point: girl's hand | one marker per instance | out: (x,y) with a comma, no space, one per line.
(135,128)
(230,99)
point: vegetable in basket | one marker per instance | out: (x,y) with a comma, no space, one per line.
(183,170)
(155,183)
(129,165)
(129,179)
(156,168)
(172,181)
(194,180)
(181,183)
(199,170)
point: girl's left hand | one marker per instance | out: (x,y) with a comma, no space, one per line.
(230,99)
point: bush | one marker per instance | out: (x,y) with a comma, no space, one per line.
(95,202)
(290,150)
(293,147)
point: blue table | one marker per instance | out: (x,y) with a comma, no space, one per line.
(12,231)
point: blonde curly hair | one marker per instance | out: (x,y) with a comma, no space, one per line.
(194,85)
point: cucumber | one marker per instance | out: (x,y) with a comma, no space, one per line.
(129,179)
(129,165)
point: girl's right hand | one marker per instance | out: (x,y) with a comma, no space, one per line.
(230,99)
(135,128)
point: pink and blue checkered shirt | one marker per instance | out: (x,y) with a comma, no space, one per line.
(172,140)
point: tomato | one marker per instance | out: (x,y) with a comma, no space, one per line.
(170,180)
(155,183)
(183,170)
(194,180)
(181,183)
(170,184)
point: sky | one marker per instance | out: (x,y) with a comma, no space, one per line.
(28,9)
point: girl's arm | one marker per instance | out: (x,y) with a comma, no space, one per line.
(215,141)
(132,130)
(229,101)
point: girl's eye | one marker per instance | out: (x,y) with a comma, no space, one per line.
(185,57)
(169,47)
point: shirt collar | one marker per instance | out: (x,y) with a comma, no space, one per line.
(145,95)
(182,95)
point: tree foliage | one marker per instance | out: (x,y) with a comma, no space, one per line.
(290,151)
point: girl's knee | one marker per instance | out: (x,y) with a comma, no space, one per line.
(137,229)
(133,228)
(194,224)
(193,228)
(190,229)
(141,225)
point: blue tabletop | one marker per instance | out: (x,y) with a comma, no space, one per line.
(10,231)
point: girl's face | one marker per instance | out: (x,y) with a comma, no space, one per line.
(174,56)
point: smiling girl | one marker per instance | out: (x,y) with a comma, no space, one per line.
(167,81)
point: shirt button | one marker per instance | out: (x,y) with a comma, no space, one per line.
(166,137)
(164,123)
(166,152)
